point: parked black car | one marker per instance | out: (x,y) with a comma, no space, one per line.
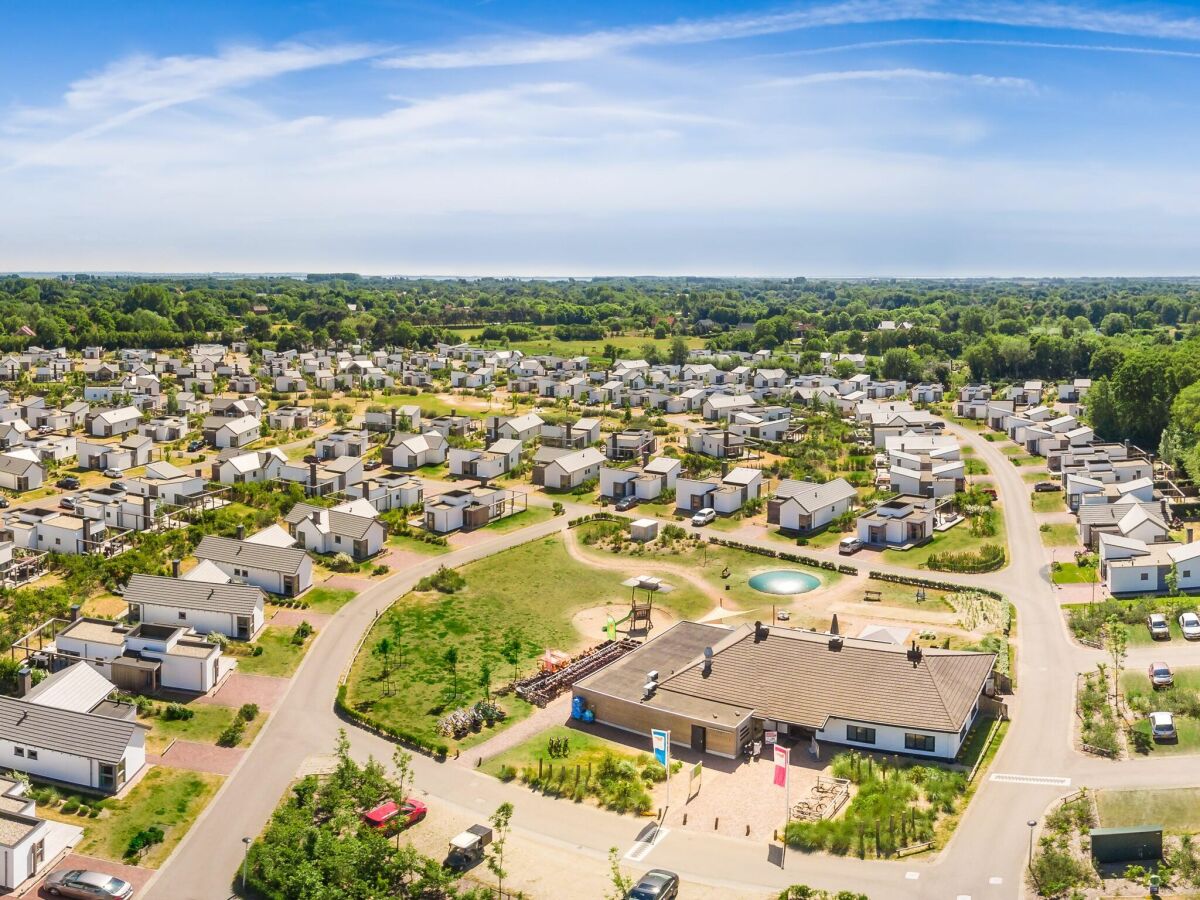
(626,503)
(67,483)
(657,884)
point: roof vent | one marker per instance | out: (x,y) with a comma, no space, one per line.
(648,689)
(706,669)
(760,632)
(652,676)
(836,643)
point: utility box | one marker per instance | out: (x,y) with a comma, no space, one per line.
(1136,843)
(643,530)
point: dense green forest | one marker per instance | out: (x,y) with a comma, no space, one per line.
(1139,339)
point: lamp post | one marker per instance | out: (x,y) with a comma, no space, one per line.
(1032,823)
(245,859)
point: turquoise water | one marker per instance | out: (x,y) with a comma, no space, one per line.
(784,581)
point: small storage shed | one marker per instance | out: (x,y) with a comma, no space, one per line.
(643,530)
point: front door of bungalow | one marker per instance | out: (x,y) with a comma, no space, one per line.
(699,738)
(289,585)
(243,628)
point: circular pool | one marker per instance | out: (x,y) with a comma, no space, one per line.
(784,581)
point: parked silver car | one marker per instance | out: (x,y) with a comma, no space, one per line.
(87,885)
(1162,726)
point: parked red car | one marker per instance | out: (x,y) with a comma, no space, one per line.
(392,816)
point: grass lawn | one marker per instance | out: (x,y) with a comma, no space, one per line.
(526,517)
(1176,809)
(531,591)
(412,545)
(583,749)
(974,466)
(328,600)
(630,343)
(1039,475)
(1064,535)
(168,798)
(431,404)
(1073,573)
(279,657)
(1137,684)
(957,540)
(433,470)
(1049,502)
(1025,460)
(1012,450)
(205,726)
(708,562)
(1188,742)
(905,596)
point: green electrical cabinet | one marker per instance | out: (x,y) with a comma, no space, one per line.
(1141,842)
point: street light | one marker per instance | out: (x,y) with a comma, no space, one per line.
(1032,823)
(245,858)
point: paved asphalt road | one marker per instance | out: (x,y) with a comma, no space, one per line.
(985,858)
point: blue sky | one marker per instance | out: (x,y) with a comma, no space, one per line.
(844,137)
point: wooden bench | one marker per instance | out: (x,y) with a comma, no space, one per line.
(872,596)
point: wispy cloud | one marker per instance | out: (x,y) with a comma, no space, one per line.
(574,48)
(893,75)
(132,88)
(981,42)
(595,44)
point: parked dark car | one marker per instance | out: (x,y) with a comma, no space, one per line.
(67,483)
(195,445)
(372,464)
(626,503)
(1046,487)
(657,884)
(3,503)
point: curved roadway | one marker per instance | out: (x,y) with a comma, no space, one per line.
(984,859)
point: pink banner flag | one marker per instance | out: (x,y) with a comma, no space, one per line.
(782,755)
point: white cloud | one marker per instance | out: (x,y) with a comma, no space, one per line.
(893,75)
(983,42)
(595,44)
(137,86)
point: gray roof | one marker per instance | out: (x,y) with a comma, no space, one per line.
(79,734)
(257,556)
(338,522)
(812,496)
(1111,513)
(154,590)
(15,464)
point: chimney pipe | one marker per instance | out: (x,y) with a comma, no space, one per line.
(315,515)
(312,474)
(24,681)
(75,612)
(174,568)
(241,532)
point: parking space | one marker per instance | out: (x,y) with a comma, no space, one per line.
(135,875)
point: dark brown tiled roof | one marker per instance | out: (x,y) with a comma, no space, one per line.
(794,676)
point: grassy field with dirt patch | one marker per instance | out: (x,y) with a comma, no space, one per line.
(280,655)
(205,726)
(526,517)
(957,540)
(1048,502)
(328,600)
(1073,573)
(1064,535)
(531,592)
(168,798)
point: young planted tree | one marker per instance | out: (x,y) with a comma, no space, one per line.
(500,827)
(510,651)
(451,660)
(383,652)
(621,883)
(485,679)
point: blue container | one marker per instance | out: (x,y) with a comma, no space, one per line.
(577,708)
(588,715)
